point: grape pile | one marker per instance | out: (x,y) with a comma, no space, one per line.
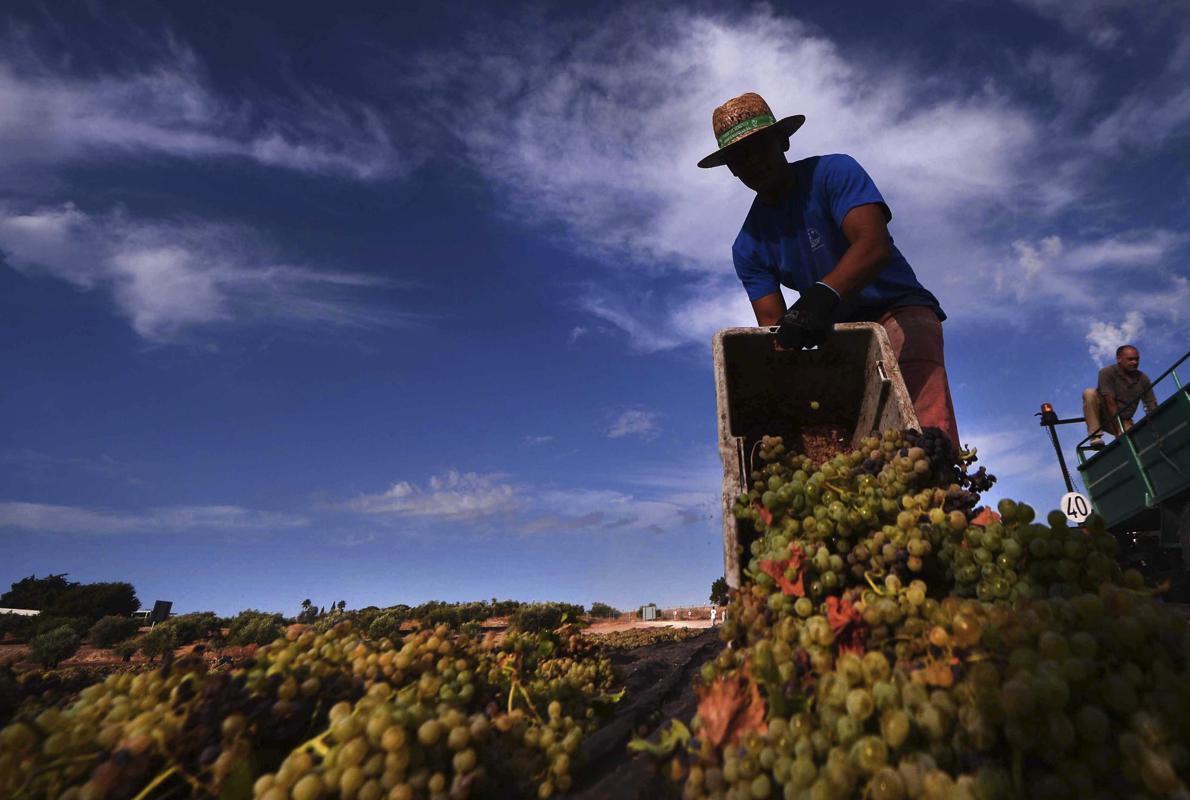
(642,637)
(322,715)
(889,642)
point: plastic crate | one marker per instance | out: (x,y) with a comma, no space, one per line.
(761,391)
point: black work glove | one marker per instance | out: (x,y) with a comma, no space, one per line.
(808,323)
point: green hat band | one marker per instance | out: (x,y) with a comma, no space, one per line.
(733,133)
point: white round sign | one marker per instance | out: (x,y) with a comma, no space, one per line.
(1076,507)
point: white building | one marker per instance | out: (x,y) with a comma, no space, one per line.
(20,612)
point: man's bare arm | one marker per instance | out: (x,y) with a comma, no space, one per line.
(769,309)
(868,253)
(1150,401)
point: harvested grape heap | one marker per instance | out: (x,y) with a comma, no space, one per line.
(889,643)
(331,714)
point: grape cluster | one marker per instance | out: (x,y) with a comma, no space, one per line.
(903,646)
(324,714)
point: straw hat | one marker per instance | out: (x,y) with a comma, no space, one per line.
(741,117)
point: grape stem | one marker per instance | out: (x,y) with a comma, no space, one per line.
(752,458)
(153,784)
(317,744)
(880,590)
(511,671)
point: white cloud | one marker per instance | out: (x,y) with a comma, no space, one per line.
(534,440)
(1103,338)
(453,496)
(1024,462)
(580,509)
(1091,19)
(594,133)
(34,462)
(634,422)
(1097,277)
(48,116)
(1146,119)
(168,277)
(599,133)
(662,499)
(43,518)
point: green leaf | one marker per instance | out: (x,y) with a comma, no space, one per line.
(238,784)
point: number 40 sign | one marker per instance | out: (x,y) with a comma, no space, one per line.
(1076,507)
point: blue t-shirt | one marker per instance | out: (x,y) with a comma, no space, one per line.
(798,241)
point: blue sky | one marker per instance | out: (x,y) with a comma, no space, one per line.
(415,302)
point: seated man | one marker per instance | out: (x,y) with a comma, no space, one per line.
(1121,385)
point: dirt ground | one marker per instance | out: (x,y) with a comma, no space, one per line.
(88,656)
(614,625)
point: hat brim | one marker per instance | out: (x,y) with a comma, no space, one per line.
(784,127)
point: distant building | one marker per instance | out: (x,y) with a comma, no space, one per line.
(648,612)
(20,612)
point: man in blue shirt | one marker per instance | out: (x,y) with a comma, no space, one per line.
(819,226)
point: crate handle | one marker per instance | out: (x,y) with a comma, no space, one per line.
(885,383)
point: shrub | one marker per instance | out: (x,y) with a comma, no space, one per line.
(545,616)
(53,647)
(604,611)
(386,626)
(56,596)
(254,627)
(157,642)
(189,628)
(80,625)
(112,629)
(126,649)
(18,626)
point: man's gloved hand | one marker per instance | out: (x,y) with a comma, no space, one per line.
(808,323)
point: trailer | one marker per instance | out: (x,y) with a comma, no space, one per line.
(852,384)
(1140,482)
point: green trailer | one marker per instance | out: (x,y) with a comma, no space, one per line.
(1140,482)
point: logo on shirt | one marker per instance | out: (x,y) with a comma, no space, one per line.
(815,238)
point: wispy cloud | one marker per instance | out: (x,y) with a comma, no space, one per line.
(634,422)
(1096,278)
(50,116)
(596,144)
(43,518)
(614,163)
(170,277)
(501,503)
(43,464)
(534,440)
(1092,19)
(453,496)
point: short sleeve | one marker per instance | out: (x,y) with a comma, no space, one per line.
(759,280)
(848,185)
